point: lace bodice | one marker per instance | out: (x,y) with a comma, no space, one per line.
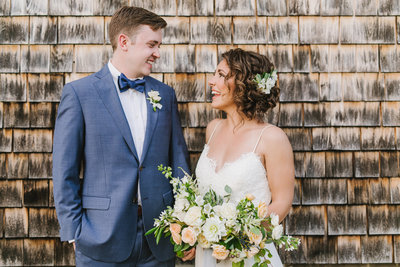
(244,175)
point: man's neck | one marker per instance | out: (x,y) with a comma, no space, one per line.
(123,68)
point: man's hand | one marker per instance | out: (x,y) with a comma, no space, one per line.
(73,244)
(189,254)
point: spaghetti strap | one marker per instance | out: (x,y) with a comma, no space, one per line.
(259,138)
(212,134)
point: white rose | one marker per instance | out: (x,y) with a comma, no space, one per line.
(213,229)
(277,232)
(217,210)
(228,211)
(192,216)
(179,214)
(181,204)
(153,94)
(274,219)
(207,209)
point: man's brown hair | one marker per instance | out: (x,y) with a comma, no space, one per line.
(127,19)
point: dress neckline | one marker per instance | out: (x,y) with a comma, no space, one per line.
(228,163)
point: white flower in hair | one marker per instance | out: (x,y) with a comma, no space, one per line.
(266,81)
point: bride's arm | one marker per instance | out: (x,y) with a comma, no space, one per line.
(279,163)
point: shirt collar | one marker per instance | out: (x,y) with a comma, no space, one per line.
(115,73)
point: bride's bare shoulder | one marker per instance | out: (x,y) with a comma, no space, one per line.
(211,126)
(274,137)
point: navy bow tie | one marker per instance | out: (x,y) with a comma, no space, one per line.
(124,84)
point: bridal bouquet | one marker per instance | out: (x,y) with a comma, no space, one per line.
(232,231)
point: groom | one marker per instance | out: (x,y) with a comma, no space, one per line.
(120,124)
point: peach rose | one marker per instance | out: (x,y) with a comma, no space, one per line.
(253,251)
(262,211)
(254,238)
(203,241)
(189,236)
(250,197)
(177,238)
(175,228)
(220,252)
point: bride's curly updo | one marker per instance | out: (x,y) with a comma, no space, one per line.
(244,65)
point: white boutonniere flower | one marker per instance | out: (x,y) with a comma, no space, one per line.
(266,81)
(154,98)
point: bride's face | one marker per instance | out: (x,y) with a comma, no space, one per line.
(222,88)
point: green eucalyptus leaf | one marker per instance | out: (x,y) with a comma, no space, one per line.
(262,253)
(228,189)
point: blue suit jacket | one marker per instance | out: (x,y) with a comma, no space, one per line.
(100,212)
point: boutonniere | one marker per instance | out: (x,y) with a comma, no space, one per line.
(154,98)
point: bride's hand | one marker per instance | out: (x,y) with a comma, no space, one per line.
(189,254)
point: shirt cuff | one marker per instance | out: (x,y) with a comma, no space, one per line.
(71,241)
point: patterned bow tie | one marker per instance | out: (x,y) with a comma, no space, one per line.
(124,84)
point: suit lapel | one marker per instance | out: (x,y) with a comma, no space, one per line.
(152,117)
(106,89)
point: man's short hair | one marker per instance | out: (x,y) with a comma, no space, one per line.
(128,19)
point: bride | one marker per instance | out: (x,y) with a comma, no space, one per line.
(242,151)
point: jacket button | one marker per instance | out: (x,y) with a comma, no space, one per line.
(134,200)
(141,168)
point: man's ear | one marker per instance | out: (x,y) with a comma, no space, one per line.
(123,42)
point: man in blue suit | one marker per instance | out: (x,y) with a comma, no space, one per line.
(121,124)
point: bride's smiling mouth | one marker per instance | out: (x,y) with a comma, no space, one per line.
(215,93)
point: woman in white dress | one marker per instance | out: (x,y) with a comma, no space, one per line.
(242,149)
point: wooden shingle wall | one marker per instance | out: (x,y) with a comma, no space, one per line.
(339,63)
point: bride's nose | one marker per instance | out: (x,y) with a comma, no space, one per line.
(211,81)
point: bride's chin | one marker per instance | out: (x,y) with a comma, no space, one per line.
(216,106)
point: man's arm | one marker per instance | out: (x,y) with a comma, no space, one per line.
(67,155)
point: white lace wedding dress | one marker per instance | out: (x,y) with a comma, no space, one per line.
(244,175)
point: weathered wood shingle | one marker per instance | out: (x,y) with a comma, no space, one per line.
(31,7)
(36,193)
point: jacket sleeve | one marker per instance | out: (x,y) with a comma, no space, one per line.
(179,155)
(67,155)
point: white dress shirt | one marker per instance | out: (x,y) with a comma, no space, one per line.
(135,109)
